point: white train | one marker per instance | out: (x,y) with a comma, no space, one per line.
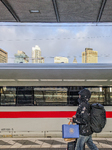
(36,99)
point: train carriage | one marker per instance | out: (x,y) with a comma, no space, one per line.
(36,99)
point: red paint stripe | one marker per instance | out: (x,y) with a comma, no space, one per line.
(109,114)
(37,114)
(43,114)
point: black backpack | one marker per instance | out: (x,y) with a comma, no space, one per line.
(97,117)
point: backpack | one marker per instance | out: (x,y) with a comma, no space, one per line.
(97,117)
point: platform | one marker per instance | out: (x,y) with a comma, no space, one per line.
(47,143)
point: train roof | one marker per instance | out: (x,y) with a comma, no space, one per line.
(51,74)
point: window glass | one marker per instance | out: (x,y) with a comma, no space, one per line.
(97,95)
(50,96)
(8,96)
(24,95)
(108,96)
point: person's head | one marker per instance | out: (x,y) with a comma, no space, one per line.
(85,94)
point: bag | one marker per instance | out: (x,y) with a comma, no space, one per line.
(70,131)
(69,139)
(72,145)
(97,117)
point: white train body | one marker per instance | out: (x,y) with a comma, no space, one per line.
(43,125)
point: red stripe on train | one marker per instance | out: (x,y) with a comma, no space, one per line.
(43,114)
(37,114)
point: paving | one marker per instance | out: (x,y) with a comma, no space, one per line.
(47,144)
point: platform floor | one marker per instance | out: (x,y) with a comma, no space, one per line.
(47,143)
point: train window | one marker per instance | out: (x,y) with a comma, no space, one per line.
(50,96)
(73,97)
(108,96)
(7,96)
(97,95)
(24,96)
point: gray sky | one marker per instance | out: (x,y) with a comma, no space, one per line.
(67,40)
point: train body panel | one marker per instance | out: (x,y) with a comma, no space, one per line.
(50,126)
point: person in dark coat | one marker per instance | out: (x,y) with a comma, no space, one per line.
(82,118)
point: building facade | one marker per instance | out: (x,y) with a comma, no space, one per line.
(3,56)
(60,60)
(89,56)
(21,57)
(36,55)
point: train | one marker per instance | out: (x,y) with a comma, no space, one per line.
(36,99)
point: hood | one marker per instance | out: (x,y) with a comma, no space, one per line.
(85,95)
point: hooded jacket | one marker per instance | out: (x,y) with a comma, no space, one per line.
(83,117)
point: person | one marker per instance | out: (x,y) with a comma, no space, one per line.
(82,118)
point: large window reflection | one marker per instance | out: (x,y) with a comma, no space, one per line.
(7,96)
(108,96)
(24,96)
(97,95)
(50,96)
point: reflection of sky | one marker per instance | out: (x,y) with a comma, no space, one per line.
(65,40)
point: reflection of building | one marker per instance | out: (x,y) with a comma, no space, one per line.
(97,94)
(36,55)
(42,60)
(51,95)
(3,56)
(60,60)
(74,61)
(89,56)
(21,57)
